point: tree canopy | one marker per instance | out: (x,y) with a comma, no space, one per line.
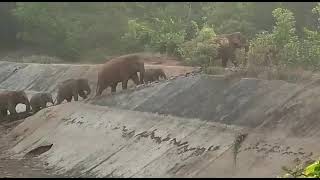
(73,30)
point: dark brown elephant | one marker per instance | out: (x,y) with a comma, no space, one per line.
(134,78)
(40,100)
(151,75)
(73,88)
(10,99)
(228,45)
(120,69)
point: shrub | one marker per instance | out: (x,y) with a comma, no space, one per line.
(201,50)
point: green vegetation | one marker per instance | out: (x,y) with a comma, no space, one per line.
(281,34)
(311,171)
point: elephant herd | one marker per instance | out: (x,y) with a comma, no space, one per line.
(114,71)
(119,69)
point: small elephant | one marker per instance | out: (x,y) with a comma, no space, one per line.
(228,45)
(40,100)
(154,75)
(10,99)
(72,88)
(120,69)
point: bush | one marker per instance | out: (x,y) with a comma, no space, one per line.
(137,37)
(280,47)
(283,47)
(192,31)
(311,171)
(167,37)
(201,50)
(69,29)
(46,29)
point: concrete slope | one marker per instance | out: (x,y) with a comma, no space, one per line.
(186,127)
(34,78)
(95,141)
(247,102)
(45,77)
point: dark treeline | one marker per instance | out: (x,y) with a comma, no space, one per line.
(75,30)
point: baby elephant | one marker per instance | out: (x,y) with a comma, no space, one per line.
(10,99)
(40,100)
(151,75)
(73,88)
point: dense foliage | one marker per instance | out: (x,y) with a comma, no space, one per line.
(74,30)
(310,171)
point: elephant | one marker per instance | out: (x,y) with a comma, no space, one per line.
(40,100)
(10,99)
(228,44)
(72,88)
(134,78)
(120,69)
(151,75)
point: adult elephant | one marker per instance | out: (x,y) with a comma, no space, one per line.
(120,69)
(10,99)
(73,88)
(228,44)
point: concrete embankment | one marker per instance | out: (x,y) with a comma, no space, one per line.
(197,126)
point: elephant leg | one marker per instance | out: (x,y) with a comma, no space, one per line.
(43,104)
(12,109)
(59,100)
(124,84)
(224,61)
(100,89)
(114,87)
(69,98)
(82,94)
(75,95)
(233,59)
(4,112)
(135,78)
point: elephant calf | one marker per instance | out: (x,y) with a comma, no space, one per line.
(10,99)
(151,75)
(40,100)
(72,88)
